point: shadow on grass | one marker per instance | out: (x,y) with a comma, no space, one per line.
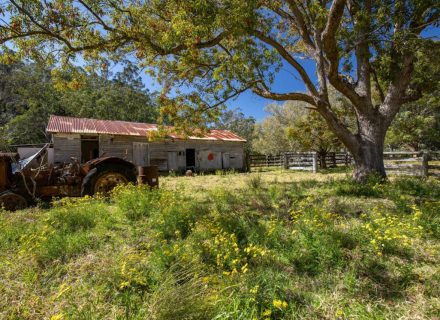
(382,283)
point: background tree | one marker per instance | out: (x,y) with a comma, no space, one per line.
(271,134)
(28,95)
(417,127)
(222,48)
(292,127)
(312,134)
(27,98)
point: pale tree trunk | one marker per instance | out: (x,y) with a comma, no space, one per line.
(366,146)
(368,155)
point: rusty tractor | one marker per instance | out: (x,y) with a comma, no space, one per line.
(24,181)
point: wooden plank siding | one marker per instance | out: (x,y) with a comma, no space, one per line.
(69,145)
(66,147)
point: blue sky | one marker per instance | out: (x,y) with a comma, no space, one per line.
(286,81)
(252,104)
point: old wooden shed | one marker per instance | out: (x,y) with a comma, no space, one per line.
(86,139)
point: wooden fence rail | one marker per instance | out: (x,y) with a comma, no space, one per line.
(288,160)
(399,162)
(412,163)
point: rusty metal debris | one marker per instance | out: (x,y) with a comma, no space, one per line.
(24,181)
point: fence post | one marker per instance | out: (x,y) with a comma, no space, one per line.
(314,162)
(286,162)
(425,164)
(333,155)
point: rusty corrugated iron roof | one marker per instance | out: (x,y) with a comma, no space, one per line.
(61,124)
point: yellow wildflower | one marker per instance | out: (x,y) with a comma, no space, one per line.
(280,304)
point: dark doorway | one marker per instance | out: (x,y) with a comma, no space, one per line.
(190,158)
(89,148)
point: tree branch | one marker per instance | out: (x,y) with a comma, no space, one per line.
(302,26)
(295,96)
(97,16)
(397,88)
(363,87)
(291,60)
(201,45)
(331,50)
(378,86)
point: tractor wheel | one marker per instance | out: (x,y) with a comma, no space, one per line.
(12,201)
(105,177)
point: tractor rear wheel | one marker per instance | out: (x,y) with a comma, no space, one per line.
(105,177)
(12,201)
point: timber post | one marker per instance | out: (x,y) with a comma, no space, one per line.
(314,162)
(425,164)
(286,161)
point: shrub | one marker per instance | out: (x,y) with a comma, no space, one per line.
(254,182)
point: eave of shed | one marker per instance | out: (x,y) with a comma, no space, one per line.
(61,124)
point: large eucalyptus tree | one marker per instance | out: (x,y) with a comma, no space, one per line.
(207,51)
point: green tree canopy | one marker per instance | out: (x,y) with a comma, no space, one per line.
(205,52)
(236,121)
(417,126)
(28,95)
(271,134)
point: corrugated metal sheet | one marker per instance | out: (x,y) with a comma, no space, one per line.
(59,124)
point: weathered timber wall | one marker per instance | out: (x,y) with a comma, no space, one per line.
(167,154)
(66,147)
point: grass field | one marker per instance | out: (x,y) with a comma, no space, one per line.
(269,245)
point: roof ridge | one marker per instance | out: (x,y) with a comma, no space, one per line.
(94,119)
(121,127)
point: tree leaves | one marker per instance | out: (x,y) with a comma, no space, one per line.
(29,94)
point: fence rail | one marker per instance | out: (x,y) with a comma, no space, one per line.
(399,162)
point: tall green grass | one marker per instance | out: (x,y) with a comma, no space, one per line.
(305,250)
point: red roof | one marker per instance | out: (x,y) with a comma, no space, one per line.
(59,124)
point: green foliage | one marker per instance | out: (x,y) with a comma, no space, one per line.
(204,53)
(271,135)
(291,127)
(267,250)
(417,126)
(67,231)
(30,93)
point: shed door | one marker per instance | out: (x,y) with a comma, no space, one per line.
(89,148)
(210,160)
(141,155)
(172,160)
(226,162)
